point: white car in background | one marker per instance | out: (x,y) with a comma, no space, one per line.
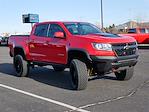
(1,40)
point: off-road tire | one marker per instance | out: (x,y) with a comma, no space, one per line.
(79,74)
(125,74)
(21,66)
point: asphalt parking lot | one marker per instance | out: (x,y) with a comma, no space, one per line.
(47,91)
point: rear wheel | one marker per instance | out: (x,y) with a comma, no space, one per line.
(125,74)
(21,66)
(58,68)
(79,74)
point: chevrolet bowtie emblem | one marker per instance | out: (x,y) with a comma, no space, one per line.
(126,47)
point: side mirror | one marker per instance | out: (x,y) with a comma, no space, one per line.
(59,34)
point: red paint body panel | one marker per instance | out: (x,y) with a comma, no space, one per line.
(55,50)
(141,38)
(49,50)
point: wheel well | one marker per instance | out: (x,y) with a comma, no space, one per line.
(76,54)
(19,51)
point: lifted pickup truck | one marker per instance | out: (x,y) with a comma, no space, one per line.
(140,34)
(80,46)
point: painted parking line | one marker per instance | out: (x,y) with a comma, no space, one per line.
(43,98)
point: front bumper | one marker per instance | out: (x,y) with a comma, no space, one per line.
(103,64)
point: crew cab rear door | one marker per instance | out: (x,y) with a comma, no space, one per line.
(38,43)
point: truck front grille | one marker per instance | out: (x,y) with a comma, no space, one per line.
(125,49)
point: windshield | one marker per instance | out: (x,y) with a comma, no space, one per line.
(82,28)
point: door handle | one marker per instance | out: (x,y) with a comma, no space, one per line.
(31,41)
(58,45)
(47,42)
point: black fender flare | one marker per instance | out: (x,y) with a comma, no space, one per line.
(80,50)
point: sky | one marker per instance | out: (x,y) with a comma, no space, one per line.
(115,12)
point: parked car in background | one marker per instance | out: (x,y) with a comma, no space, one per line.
(0,40)
(4,40)
(140,34)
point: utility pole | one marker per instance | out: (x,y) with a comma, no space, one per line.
(32,24)
(101,5)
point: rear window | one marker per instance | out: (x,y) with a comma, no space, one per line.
(132,31)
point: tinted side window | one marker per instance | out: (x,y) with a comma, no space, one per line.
(41,30)
(54,28)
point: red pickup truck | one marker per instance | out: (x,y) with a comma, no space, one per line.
(80,46)
(140,34)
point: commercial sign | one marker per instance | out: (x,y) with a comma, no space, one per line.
(30,18)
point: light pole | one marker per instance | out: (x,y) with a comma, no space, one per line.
(101,5)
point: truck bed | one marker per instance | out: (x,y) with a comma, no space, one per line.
(21,35)
(18,40)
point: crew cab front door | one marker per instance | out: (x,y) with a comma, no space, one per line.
(57,46)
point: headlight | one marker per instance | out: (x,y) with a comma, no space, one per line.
(101,46)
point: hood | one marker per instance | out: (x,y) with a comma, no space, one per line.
(109,35)
(108,38)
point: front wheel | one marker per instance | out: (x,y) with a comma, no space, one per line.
(125,74)
(79,74)
(21,66)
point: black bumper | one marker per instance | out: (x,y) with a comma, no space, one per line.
(104,64)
